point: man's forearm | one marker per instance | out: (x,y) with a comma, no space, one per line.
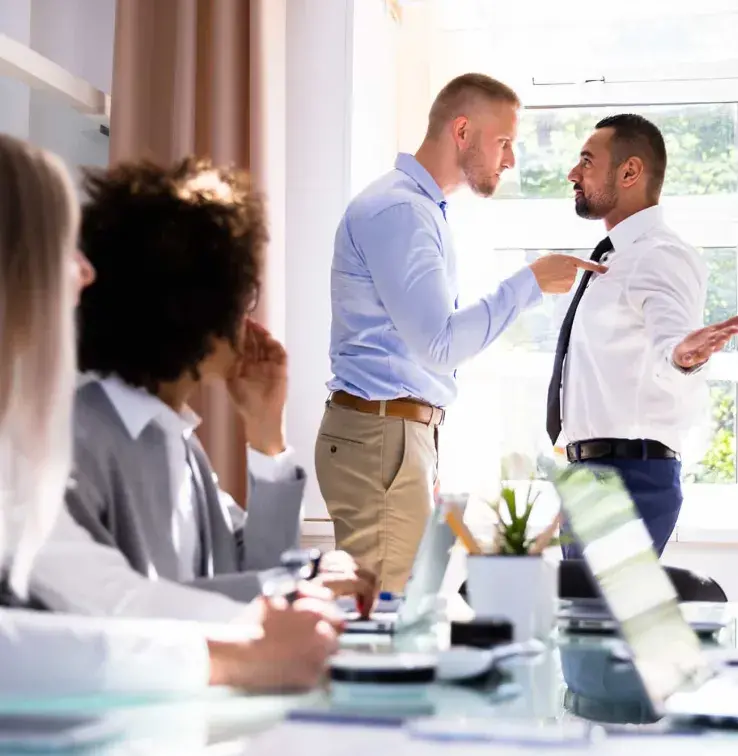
(469,331)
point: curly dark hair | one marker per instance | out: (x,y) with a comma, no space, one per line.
(178,255)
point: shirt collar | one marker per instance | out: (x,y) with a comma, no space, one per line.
(633,227)
(410,166)
(138,408)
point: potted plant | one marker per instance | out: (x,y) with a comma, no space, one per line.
(512,578)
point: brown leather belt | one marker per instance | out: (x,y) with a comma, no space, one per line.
(407,409)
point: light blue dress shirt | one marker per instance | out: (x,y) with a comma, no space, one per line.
(396,331)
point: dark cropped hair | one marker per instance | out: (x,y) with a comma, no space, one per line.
(178,255)
(636,136)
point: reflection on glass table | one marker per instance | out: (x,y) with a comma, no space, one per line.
(601,687)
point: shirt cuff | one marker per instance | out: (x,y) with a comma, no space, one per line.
(280,467)
(689,370)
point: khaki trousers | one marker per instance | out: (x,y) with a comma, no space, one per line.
(377,475)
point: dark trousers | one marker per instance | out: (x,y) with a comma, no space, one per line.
(655,488)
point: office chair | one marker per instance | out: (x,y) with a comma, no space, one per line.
(575,582)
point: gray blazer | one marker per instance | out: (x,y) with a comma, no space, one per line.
(121,495)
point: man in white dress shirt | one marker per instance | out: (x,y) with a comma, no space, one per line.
(626,381)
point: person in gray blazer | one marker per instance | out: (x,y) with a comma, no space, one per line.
(177,253)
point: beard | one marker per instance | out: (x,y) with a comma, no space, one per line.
(476,175)
(597,204)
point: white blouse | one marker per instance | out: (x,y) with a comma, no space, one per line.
(43,654)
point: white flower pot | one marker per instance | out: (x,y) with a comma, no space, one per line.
(523,589)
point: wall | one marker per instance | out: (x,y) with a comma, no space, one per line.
(341,134)
(374,92)
(319,40)
(15,22)
(78,35)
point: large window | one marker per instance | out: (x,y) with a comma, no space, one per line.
(501,406)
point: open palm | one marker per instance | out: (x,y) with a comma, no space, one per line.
(700,345)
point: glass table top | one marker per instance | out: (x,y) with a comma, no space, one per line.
(578,678)
(585,677)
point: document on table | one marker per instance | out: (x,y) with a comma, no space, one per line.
(332,739)
(327,739)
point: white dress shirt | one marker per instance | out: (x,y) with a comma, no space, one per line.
(43,654)
(619,380)
(137,409)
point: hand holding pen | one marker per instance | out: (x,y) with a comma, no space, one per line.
(335,570)
(293,644)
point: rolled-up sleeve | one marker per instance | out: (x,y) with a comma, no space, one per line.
(401,248)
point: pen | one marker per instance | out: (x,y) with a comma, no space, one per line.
(296,565)
(460,530)
(279,583)
(346,718)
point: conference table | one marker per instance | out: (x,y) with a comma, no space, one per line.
(580,682)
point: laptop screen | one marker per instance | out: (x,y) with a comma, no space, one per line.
(620,555)
(429,567)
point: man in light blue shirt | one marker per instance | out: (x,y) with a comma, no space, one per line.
(397,334)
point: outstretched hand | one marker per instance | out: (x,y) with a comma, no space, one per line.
(700,345)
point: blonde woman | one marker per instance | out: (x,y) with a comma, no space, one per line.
(41,276)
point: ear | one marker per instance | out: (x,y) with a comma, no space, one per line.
(460,131)
(631,171)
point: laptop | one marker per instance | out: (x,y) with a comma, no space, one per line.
(677,675)
(593,616)
(426,579)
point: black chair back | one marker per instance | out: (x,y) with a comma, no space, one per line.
(575,583)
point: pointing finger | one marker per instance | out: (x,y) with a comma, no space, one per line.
(589,265)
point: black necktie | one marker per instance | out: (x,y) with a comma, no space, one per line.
(553,413)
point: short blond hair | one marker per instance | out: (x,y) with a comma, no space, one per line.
(459,95)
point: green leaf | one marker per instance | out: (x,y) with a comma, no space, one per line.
(508,495)
(529,507)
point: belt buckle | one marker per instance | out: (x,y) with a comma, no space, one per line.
(434,416)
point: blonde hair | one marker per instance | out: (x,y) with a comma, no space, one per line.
(38,226)
(460,93)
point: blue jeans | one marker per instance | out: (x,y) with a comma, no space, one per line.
(655,488)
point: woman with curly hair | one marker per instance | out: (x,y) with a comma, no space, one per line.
(178,254)
(44,654)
